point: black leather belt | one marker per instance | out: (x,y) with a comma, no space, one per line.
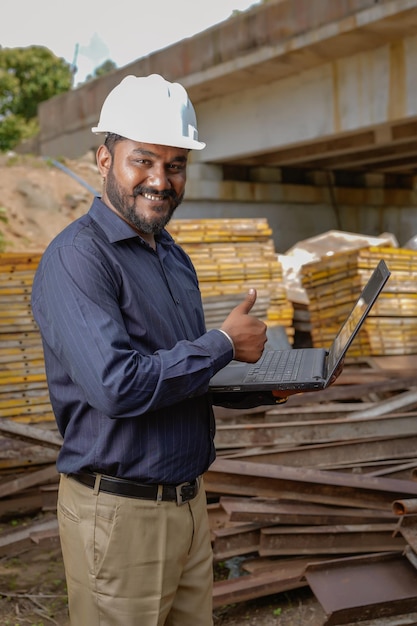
(129,489)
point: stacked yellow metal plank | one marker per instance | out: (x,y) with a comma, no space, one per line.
(23,390)
(231,255)
(333,284)
(215,230)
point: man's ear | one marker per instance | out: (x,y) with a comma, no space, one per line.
(103,158)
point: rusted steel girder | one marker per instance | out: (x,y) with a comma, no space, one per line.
(234,477)
(264,583)
(236,540)
(350,387)
(273,511)
(334,454)
(319,431)
(407,526)
(349,539)
(363,588)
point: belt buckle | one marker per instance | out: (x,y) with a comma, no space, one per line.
(186,492)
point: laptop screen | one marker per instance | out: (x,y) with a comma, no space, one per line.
(346,334)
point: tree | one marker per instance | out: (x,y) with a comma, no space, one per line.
(105,68)
(28,76)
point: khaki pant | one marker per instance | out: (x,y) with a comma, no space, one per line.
(131,562)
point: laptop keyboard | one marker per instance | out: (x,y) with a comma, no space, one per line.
(275,365)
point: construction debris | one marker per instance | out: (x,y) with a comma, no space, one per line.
(316,479)
(363,588)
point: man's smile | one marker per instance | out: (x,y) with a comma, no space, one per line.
(153,197)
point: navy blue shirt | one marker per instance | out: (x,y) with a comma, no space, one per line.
(127,355)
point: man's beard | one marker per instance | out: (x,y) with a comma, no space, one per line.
(127,210)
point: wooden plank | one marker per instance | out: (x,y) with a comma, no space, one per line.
(17,540)
(30,479)
(33,434)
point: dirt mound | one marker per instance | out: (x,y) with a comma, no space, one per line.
(39,197)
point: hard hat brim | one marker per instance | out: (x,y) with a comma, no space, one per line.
(184,142)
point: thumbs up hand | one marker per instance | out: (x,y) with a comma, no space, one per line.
(246,331)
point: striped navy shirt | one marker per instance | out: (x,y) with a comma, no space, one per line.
(127,355)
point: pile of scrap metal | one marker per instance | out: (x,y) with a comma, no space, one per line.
(302,494)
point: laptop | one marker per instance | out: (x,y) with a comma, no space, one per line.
(302,369)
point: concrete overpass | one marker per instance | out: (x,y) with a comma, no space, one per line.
(308,108)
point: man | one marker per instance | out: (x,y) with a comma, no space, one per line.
(128,362)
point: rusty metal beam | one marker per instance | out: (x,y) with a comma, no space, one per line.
(337,539)
(331,455)
(387,406)
(320,431)
(393,468)
(276,580)
(352,387)
(407,526)
(362,588)
(330,410)
(233,477)
(273,511)
(234,541)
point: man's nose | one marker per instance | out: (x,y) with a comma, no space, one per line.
(158,177)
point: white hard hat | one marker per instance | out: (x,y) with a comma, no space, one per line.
(150,109)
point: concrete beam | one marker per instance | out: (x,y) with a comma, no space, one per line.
(344,101)
(280,40)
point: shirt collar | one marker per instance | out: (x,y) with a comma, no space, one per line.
(116,229)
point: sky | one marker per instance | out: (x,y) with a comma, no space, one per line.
(93,31)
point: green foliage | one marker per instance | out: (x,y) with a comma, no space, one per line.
(14,129)
(28,76)
(105,68)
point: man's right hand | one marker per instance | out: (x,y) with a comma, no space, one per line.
(246,331)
